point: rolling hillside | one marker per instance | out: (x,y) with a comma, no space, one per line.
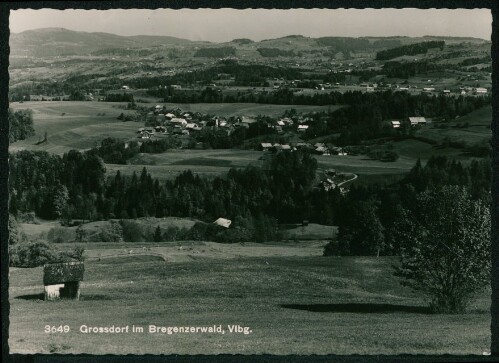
(59,41)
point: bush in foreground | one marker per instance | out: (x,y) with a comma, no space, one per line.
(445,253)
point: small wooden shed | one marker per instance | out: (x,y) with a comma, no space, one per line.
(62,280)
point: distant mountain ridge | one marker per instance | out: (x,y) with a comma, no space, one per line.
(60,41)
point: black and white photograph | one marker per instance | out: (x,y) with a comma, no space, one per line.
(250,181)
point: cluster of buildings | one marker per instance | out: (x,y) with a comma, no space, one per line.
(318,148)
(177,122)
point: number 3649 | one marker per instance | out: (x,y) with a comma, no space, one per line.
(57,329)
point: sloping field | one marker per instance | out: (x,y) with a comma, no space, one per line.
(203,162)
(361,164)
(68,234)
(73,125)
(290,305)
(310,232)
(222,157)
(78,138)
(57,116)
(182,251)
(218,162)
(478,130)
(418,149)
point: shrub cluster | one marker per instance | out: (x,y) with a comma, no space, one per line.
(39,253)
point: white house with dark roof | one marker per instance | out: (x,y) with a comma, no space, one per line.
(417,121)
(266,146)
(395,124)
(178,121)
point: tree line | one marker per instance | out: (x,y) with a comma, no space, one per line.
(410,49)
(219,52)
(75,186)
(372,215)
(20,125)
(366,118)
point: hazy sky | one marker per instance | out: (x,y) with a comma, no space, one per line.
(221,25)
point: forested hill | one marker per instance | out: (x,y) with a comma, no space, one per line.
(412,49)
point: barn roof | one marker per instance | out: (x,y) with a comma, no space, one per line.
(58,273)
(223,222)
(417,120)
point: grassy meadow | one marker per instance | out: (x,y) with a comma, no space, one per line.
(168,165)
(73,125)
(293,304)
(477,128)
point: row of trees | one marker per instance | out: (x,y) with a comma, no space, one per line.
(218,52)
(20,125)
(349,45)
(75,186)
(366,118)
(119,97)
(411,49)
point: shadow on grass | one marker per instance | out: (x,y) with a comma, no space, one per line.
(362,308)
(41,296)
(31,297)
(94,297)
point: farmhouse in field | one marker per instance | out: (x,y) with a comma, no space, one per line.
(62,280)
(395,124)
(223,222)
(178,121)
(145,133)
(265,146)
(193,127)
(417,121)
(328,184)
(286,147)
(335,150)
(481,90)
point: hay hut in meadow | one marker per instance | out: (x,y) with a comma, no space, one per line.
(223,222)
(62,280)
